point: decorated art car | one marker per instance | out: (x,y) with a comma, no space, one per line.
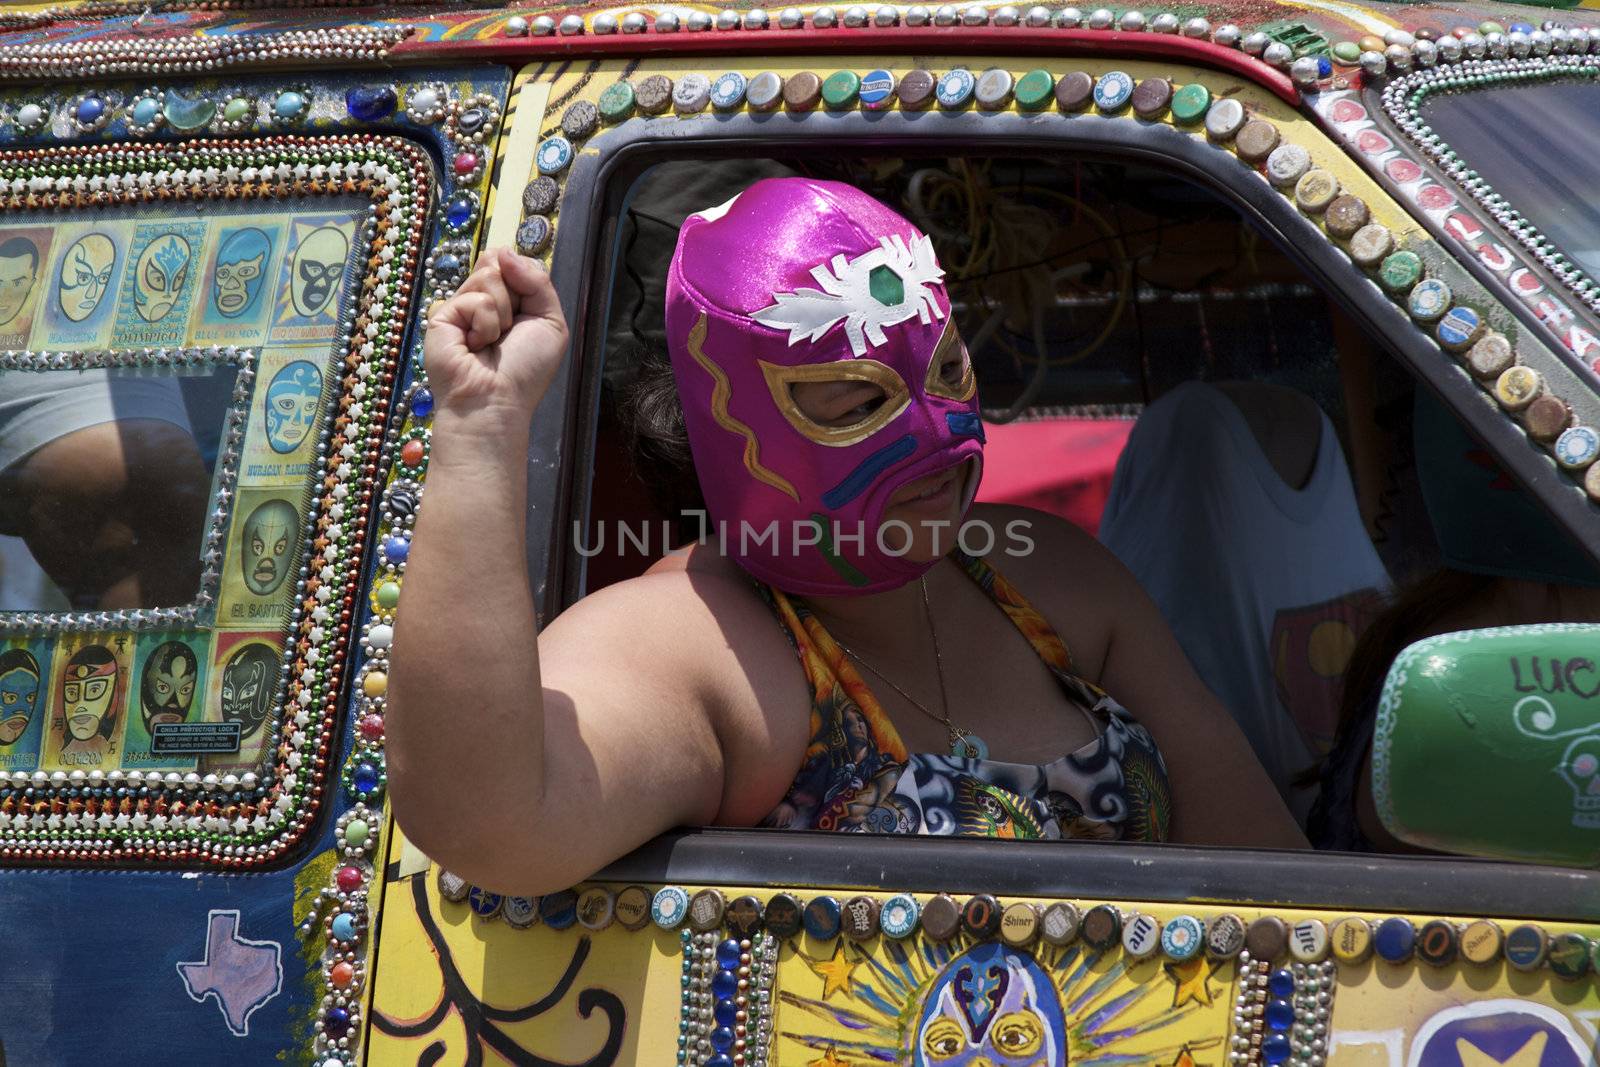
(221,227)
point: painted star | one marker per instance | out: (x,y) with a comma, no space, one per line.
(1529,1055)
(835,973)
(1189,978)
(830,1058)
(1184,1058)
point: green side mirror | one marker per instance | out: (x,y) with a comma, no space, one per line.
(1488,743)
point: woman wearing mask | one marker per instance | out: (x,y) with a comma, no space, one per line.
(825,659)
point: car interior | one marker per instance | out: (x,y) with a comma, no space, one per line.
(1089,291)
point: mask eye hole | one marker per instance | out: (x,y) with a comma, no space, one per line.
(837,404)
(950,370)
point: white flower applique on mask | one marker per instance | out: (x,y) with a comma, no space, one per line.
(883,287)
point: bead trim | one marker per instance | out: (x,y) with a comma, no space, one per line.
(109,56)
(1346,114)
(241,821)
(1308,965)
(1403,100)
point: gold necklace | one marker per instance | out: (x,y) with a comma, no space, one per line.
(963,743)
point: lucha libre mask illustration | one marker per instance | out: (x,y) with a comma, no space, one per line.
(19,266)
(166,689)
(318,267)
(159,276)
(247,686)
(19,693)
(241,264)
(265,555)
(292,400)
(797,281)
(86,275)
(991,1006)
(88,693)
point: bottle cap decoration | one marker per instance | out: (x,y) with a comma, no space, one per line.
(1074,91)
(633,908)
(898,919)
(1019,924)
(956,88)
(1314,191)
(877,90)
(1438,943)
(994,89)
(1113,91)
(1182,938)
(802,91)
(1225,936)
(1351,940)
(1151,97)
(1190,103)
(1059,923)
(1267,938)
(916,90)
(1255,140)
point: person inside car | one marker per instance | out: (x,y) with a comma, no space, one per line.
(1504,563)
(847,648)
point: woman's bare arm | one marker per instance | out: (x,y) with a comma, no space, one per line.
(519,780)
(1221,794)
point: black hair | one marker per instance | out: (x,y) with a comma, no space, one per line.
(18,658)
(20,246)
(657,437)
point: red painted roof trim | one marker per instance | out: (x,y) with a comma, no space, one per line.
(928,40)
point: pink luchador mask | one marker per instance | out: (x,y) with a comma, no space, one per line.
(796,281)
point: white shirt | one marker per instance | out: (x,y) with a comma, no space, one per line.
(1265,586)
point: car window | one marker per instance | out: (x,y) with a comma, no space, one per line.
(1545,170)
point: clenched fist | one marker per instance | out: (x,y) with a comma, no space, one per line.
(493,348)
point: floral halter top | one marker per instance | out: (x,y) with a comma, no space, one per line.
(858,776)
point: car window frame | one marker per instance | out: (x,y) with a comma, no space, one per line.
(562,453)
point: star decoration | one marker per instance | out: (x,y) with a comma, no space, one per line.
(835,973)
(829,1058)
(1185,1059)
(1529,1055)
(1189,978)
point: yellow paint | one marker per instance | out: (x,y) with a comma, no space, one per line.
(1190,979)
(412,859)
(516,152)
(1188,1006)
(508,969)
(836,971)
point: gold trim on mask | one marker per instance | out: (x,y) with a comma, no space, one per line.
(781,381)
(720,395)
(935,384)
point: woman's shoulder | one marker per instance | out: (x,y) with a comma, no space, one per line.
(691,586)
(1032,546)
(1064,573)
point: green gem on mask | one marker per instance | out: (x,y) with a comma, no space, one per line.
(886,287)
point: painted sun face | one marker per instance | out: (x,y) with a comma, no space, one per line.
(166,689)
(86,275)
(88,689)
(265,553)
(241,262)
(247,689)
(318,266)
(991,1007)
(159,276)
(19,266)
(19,693)
(292,400)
